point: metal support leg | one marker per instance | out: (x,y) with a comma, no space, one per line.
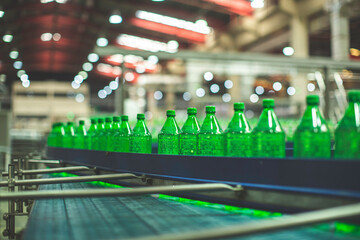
(20,177)
(10,216)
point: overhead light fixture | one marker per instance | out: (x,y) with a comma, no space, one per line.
(102,42)
(199,27)
(147,44)
(18,64)
(87,66)
(2,13)
(257,3)
(7,37)
(288,51)
(93,57)
(14,54)
(56,37)
(46,37)
(115,18)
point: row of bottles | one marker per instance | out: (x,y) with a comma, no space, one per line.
(312,137)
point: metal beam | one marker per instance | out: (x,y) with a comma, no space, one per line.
(69,179)
(206,187)
(233,56)
(302,219)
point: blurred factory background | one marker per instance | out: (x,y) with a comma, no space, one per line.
(65,60)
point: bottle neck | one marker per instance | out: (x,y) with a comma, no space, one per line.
(268,121)
(141,127)
(239,122)
(125,127)
(170,126)
(211,124)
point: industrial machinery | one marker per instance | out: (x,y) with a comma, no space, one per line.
(291,193)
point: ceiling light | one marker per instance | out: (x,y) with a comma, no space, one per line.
(254,98)
(257,3)
(113,85)
(146,44)
(14,54)
(288,51)
(228,84)
(83,74)
(226,97)
(24,77)
(18,65)
(102,94)
(75,85)
(87,66)
(214,88)
(208,76)
(93,57)
(78,79)
(153,59)
(56,37)
(107,90)
(158,95)
(20,73)
(291,91)
(79,97)
(46,37)
(277,86)
(311,87)
(200,92)
(102,42)
(187,96)
(115,19)
(199,27)
(26,83)
(2,13)
(7,38)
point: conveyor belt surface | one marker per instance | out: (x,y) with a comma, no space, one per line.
(129,217)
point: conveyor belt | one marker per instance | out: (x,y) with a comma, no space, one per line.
(128,217)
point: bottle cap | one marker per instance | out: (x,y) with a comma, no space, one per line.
(81,122)
(124,118)
(312,100)
(108,119)
(61,124)
(239,106)
(191,111)
(116,119)
(354,96)
(140,116)
(170,113)
(268,103)
(54,125)
(210,109)
(100,120)
(93,121)
(70,123)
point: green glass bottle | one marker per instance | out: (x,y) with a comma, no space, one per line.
(188,138)
(210,140)
(55,138)
(268,136)
(80,134)
(68,140)
(122,137)
(103,135)
(140,139)
(114,130)
(347,133)
(168,138)
(238,134)
(91,134)
(95,143)
(312,137)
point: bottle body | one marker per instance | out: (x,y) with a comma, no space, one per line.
(238,144)
(268,144)
(237,137)
(187,137)
(55,138)
(91,134)
(79,140)
(268,136)
(140,143)
(347,133)
(210,140)
(121,140)
(168,138)
(312,137)
(140,139)
(105,135)
(68,140)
